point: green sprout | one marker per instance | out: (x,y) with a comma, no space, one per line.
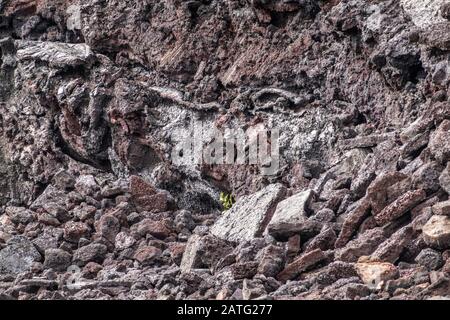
(227,200)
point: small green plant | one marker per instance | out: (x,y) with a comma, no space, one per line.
(227,200)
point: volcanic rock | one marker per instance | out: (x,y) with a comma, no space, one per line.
(375,274)
(18,256)
(290,214)
(249,216)
(436,232)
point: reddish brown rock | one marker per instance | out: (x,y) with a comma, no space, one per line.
(365,244)
(377,193)
(108,227)
(176,250)
(400,206)
(301,264)
(91,270)
(74,231)
(325,240)
(244,270)
(352,222)
(390,250)
(140,188)
(159,202)
(293,246)
(148,198)
(147,255)
(158,229)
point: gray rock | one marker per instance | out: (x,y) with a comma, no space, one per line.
(427,177)
(190,257)
(18,256)
(20,215)
(436,232)
(390,250)
(124,241)
(271,260)
(50,194)
(86,185)
(252,289)
(203,252)
(324,240)
(323,216)
(249,216)
(430,259)
(56,54)
(442,208)
(335,271)
(444,179)
(57,259)
(48,239)
(364,244)
(439,145)
(94,252)
(423,12)
(290,214)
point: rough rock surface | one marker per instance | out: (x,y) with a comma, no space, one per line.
(290,214)
(101,197)
(248,218)
(18,256)
(436,232)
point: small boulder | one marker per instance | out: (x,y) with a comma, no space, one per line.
(400,206)
(20,215)
(430,259)
(375,274)
(301,264)
(157,229)
(57,259)
(74,231)
(147,255)
(94,252)
(439,145)
(108,227)
(436,232)
(87,185)
(124,241)
(203,252)
(249,216)
(290,214)
(18,256)
(442,208)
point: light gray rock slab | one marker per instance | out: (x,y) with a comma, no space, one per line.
(249,216)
